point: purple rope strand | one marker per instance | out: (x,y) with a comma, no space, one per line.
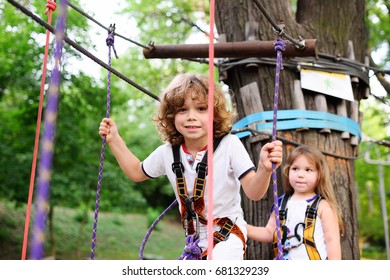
(153,225)
(46,158)
(110,43)
(279,47)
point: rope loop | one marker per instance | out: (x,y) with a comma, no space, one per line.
(50,6)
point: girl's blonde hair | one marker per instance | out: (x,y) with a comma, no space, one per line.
(173,98)
(324,185)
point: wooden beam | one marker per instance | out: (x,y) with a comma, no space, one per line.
(243,49)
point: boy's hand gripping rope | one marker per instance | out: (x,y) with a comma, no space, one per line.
(279,47)
(110,43)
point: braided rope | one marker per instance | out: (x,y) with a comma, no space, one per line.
(152,226)
(50,7)
(279,47)
(110,44)
(45,163)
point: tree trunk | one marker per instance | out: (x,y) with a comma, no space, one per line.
(252,83)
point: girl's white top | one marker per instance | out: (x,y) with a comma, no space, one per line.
(295,216)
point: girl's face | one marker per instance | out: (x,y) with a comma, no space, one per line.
(303,176)
(191,121)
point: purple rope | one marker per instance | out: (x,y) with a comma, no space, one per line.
(110,43)
(153,225)
(279,47)
(46,157)
(191,250)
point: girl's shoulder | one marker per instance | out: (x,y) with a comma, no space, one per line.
(324,208)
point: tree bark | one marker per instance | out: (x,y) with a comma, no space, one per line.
(333,24)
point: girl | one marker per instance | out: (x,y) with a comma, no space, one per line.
(307,178)
(182,120)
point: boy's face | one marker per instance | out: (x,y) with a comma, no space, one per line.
(191,121)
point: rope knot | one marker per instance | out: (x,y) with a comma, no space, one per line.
(50,6)
(191,250)
(110,40)
(280,45)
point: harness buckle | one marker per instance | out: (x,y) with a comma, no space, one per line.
(177,166)
(201,167)
(224,232)
(311,213)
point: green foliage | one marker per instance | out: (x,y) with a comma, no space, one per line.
(378,22)
(119,236)
(367,177)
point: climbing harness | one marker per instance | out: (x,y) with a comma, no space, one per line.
(192,208)
(308,228)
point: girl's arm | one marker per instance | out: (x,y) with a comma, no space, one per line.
(255,184)
(331,230)
(128,162)
(262,234)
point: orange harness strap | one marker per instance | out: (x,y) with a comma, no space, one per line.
(227,228)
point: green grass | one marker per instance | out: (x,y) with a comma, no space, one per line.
(119,236)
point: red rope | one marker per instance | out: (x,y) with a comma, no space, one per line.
(210,136)
(50,7)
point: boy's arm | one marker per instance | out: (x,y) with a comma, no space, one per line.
(255,184)
(127,161)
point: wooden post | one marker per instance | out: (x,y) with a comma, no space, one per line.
(321,106)
(251,101)
(355,117)
(298,100)
(342,111)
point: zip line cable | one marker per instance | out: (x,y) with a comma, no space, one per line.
(102,26)
(279,30)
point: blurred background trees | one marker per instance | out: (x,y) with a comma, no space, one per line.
(83,105)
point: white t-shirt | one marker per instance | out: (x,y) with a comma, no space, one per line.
(295,218)
(231,162)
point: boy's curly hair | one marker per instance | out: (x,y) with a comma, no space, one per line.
(173,98)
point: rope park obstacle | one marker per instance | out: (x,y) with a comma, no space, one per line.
(221,50)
